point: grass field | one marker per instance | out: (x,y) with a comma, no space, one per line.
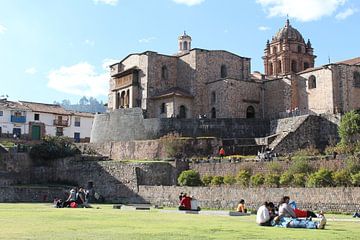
(42,221)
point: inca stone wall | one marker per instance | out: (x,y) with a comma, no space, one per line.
(129,124)
(345,200)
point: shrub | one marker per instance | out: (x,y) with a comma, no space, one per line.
(352,164)
(272,180)
(300,165)
(285,179)
(257,180)
(229,180)
(321,178)
(174,145)
(309,151)
(217,180)
(52,148)
(243,178)
(274,167)
(189,178)
(299,180)
(349,127)
(206,180)
(355,179)
(342,178)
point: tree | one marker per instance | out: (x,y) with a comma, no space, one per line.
(349,127)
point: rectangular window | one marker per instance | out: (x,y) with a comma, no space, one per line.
(1,113)
(77,137)
(59,131)
(77,121)
(36,117)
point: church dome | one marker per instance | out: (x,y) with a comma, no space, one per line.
(288,32)
(184,36)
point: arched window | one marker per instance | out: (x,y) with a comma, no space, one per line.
(182,111)
(213,97)
(279,69)
(271,70)
(223,71)
(274,50)
(213,112)
(357,79)
(185,46)
(122,99)
(299,49)
(250,112)
(164,73)
(163,108)
(306,65)
(117,100)
(293,66)
(312,82)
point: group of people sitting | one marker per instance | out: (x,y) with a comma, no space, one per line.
(77,198)
(288,215)
(188,203)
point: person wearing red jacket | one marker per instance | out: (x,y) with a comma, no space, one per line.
(185,203)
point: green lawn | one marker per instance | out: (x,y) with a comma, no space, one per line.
(41,221)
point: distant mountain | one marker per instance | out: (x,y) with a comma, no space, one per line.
(91,105)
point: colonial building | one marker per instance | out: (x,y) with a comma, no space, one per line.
(219,84)
(35,120)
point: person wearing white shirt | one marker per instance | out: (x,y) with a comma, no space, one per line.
(263,217)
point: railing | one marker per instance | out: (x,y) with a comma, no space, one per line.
(18,119)
(58,122)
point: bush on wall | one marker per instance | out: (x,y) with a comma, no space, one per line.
(272,180)
(243,178)
(189,178)
(206,180)
(53,147)
(321,178)
(217,180)
(342,178)
(229,180)
(257,180)
(286,179)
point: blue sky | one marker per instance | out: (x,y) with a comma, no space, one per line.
(58,49)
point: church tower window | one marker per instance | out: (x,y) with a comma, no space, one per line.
(293,66)
(250,112)
(185,45)
(357,79)
(213,112)
(223,73)
(213,97)
(312,82)
(163,108)
(299,49)
(164,73)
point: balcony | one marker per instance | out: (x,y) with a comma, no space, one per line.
(18,119)
(58,122)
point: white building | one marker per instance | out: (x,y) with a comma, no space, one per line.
(35,120)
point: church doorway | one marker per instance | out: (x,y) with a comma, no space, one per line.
(213,113)
(250,112)
(182,111)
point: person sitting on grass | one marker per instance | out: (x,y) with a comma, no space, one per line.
(264,214)
(185,203)
(71,198)
(285,210)
(81,199)
(194,204)
(241,206)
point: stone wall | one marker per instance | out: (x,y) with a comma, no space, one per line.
(31,194)
(129,124)
(231,168)
(326,199)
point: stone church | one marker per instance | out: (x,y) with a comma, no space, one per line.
(219,84)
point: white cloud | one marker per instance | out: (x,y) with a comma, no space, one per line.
(302,10)
(31,70)
(263,28)
(89,42)
(2,29)
(189,2)
(146,40)
(344,14)
(79,79)
(107,2)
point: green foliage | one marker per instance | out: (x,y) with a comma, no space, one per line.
(300,165)
(309,151)
(349,127)
(243,178)
(355,179)
(272,180)
(352,164)
(274,167)
(257,180)
(206,180)
(342,178)
(174,145)
(217,180)
(189,178)
(229,180)
(52,148)
(321,178)
(299,179)
(286,179)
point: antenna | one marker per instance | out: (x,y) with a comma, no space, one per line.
(329,59)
